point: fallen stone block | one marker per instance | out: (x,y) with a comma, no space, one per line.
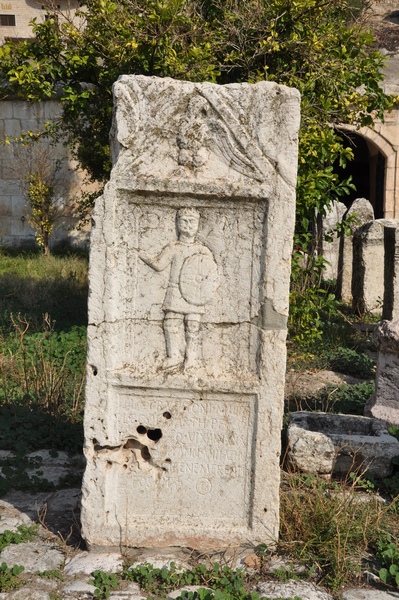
(326,443)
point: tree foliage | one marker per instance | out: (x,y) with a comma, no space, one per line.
(317,46)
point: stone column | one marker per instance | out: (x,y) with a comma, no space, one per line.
(363,212)
(331,248)
(391,274)
(189,282)
(384,404)
(368,265)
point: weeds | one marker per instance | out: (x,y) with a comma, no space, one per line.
(105,583)
(9,577)
(161,581)
(326,526)
(46,369)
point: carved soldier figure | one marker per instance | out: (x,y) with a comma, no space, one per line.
(193,280)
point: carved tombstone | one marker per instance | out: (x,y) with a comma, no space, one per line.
(189,279)
(363,212)
(330,248)
(368,278)
(391,273)
(384,403)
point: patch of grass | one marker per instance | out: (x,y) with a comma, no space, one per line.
(46,369)
(32,285)
(327,526)
(24,429)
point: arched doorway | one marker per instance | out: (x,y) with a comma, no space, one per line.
(374,169)
(367,170)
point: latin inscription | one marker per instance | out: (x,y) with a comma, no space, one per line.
(204,453)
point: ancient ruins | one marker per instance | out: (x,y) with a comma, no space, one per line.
(189,280)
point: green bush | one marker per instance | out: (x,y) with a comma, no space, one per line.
(345,399)
(350,362)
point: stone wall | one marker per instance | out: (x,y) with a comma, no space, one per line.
(16,117)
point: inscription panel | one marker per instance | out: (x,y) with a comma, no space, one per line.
(195,456)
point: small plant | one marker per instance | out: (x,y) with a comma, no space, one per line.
(394,430)
(9,577)
(388,554)
(54,574)
(104,582)
(161,581)
(363,482)
(23,534)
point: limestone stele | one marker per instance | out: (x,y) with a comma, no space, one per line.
(189,277)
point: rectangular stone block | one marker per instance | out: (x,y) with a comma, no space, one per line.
(189,280)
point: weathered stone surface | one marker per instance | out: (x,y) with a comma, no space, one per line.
(369,255)
(384,404)
(11,518)
(80,589)
(293,588)
(391,274)
(131,592)
(159,562)
(309,451)
(36,556)
(363,212)
(27,593)
(360,594)
(326,443)
(188,306)
(331,248)
(87,562)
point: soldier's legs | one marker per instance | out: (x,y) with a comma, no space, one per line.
(173,327)
(193,322)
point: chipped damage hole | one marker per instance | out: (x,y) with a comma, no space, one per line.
(135,445)
(152,434)
(167,415)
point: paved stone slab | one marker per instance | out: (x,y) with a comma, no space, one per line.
(360,594)
(34,556)
(87,562)
(26,593)
(79,588)
(131,592)
(11,518)
(302,589)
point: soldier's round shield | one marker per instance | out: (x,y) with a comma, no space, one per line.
(198,279)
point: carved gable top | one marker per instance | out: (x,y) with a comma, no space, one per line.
(183,137)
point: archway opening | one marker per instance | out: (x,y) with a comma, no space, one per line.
(367,170)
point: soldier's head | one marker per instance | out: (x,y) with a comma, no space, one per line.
(187,222)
